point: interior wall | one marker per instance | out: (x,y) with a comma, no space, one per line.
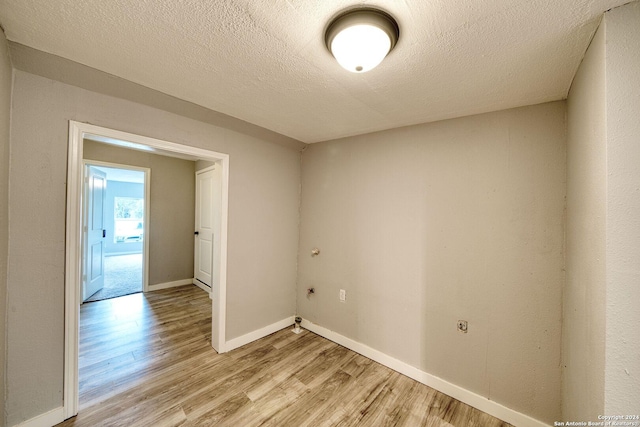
(583,328)
(264,192)
(63,70)
(426,225)
(6,78)
(622,361)
(203,164)
(171,211)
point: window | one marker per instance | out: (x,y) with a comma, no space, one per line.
(129,219)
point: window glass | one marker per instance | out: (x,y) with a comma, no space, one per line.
(129,219)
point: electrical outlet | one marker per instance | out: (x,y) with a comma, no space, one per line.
(462,326)
(343,295)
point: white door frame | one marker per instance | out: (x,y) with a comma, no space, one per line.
(73,239)
(147,204)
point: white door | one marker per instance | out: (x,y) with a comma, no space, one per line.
(204,236)
(94,231)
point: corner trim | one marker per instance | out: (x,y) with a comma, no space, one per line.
(470,398)
(48,419)
(167,285)
(257,334)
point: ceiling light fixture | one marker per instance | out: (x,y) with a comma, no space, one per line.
(360,39)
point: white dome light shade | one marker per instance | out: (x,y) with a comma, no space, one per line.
(360,39)
(360,48)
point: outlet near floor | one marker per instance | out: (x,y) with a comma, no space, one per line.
(343,295)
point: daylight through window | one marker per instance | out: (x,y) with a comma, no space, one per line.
(129,219)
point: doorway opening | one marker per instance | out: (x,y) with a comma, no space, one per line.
(115,217)
(78,132)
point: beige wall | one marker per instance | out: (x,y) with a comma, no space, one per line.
(601,374)
(264,191)
(172,210)
(583,328)
(63,70)
(622,361)
(6,77)
(425,225)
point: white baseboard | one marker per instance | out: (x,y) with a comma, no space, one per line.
(463,395)
(511,416)
(257,334)
(168,285)
(201,285)
(48,419)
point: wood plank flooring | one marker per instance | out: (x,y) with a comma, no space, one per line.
(146,360)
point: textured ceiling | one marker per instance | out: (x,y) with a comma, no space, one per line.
(264,61)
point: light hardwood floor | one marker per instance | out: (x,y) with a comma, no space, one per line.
(146,360)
